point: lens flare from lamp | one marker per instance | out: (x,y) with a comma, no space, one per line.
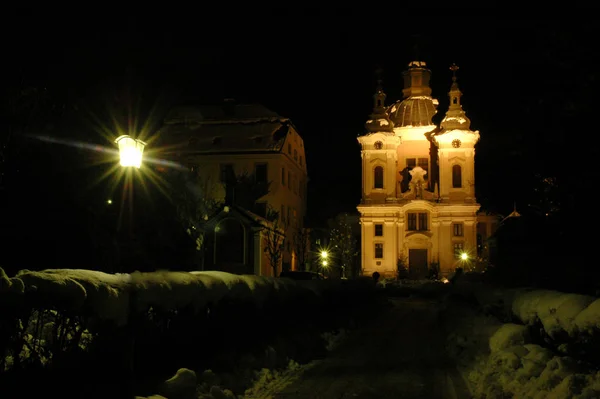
(130,150)
(464,256)
(324,254)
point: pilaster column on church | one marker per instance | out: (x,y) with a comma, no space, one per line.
(435,238)
(362,244)
(401,234)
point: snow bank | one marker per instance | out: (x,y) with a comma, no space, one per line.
(509,335)
(562,315)
(10,285)
(108,296)
(558,312)
(511,365)
(530,371)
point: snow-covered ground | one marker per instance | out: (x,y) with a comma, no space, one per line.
(506,344)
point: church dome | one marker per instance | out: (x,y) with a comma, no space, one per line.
(379,123)
(413,111)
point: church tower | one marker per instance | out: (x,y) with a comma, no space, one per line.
(418,208)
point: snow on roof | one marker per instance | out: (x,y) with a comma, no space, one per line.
(226,128)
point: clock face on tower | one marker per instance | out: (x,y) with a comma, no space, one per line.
(456,143)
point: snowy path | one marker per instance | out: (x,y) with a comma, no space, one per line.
(400,355)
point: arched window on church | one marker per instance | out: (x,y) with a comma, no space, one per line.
(456,176)
(378,177)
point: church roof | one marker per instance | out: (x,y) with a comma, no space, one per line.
(413,111)
(417,107)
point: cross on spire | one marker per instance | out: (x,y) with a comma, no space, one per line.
(454,68)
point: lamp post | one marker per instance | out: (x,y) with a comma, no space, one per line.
(131,152)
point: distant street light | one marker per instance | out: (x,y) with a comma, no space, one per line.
(131,150)
(324,255)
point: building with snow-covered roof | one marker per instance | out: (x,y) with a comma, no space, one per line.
(231,139)
(418,207)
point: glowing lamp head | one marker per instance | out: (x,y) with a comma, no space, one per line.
(324,263)
(464,256)
(130,150)
(324,254)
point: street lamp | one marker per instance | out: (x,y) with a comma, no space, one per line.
(130,150)
(324,256)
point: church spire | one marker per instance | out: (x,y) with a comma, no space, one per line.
(379,120)
(379,96)
(456,117)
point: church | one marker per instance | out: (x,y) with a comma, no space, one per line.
(418,211)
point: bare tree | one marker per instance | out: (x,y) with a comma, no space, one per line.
(195,199)
(302,246)
(344,244)
(198,198)
(273,240)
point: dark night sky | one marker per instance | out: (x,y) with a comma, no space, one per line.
(523,80)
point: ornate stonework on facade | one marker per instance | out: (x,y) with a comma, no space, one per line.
(418,205)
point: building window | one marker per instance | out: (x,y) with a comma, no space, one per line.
(379,250)
(456,176)
(283,176)
(378,177)
(295,155)
(423,222)
(295,184)
(260,172)
(458,249)
(289,149)
(458,230)
(422,162)
(417,221)
(227,174)
(378,230)
(378,145)
(301,161)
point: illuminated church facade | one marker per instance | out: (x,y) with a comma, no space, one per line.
(418,210)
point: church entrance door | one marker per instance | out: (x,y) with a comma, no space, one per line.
(417,263)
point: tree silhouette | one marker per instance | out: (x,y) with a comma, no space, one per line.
(344,244)
(302,247)
(273,240)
